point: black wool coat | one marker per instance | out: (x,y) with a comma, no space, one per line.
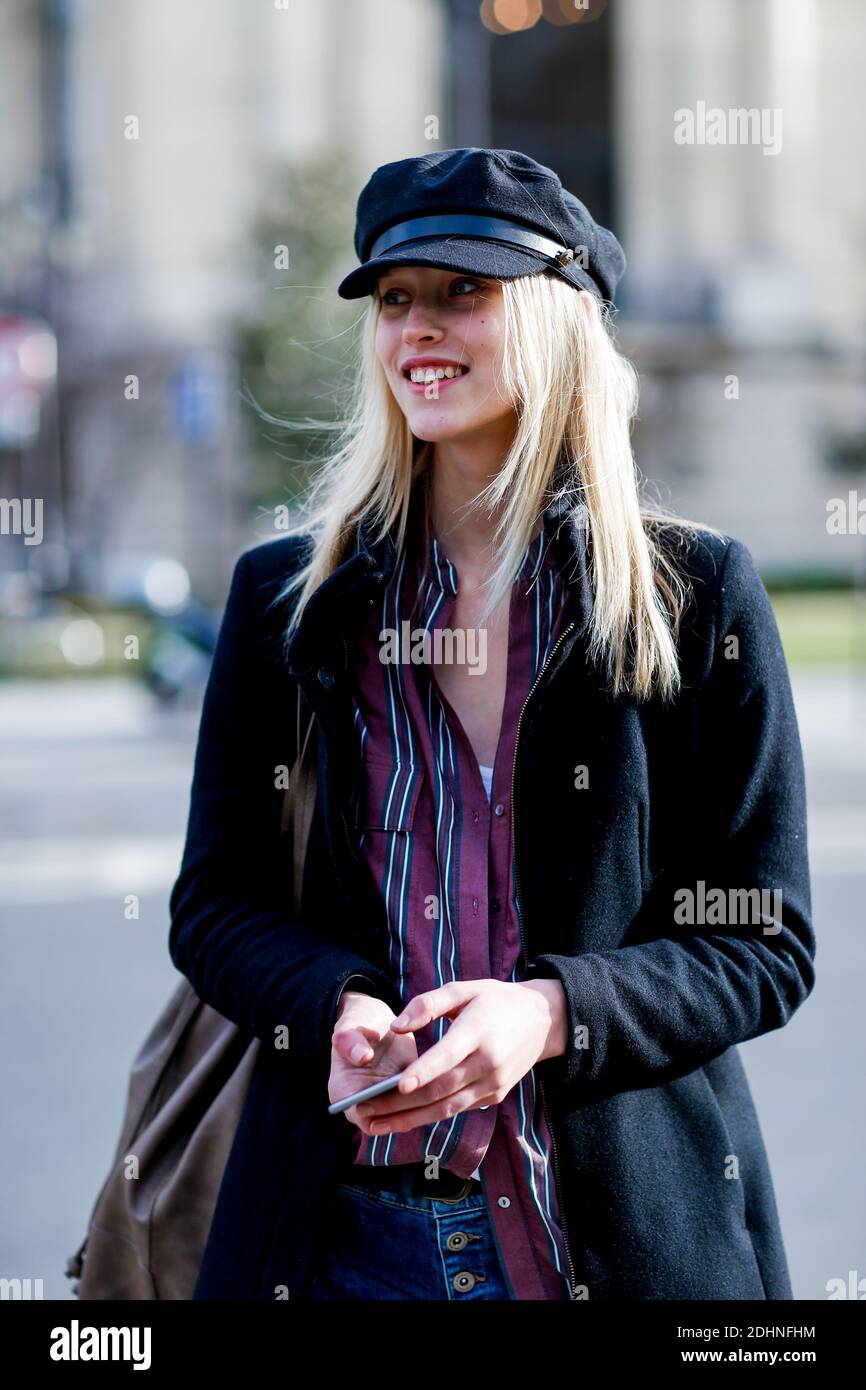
(662,1174)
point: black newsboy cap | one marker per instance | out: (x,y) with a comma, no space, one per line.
(485,212)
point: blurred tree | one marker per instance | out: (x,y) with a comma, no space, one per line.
(295,347)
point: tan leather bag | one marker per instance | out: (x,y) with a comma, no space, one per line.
(187,1088)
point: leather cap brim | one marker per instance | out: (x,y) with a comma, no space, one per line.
(469,254)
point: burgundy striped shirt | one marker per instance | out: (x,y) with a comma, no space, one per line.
(441,855)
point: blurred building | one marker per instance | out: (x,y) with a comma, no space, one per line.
(136,138)
(749,265)
(744,304)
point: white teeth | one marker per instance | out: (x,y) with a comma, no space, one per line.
(422,375)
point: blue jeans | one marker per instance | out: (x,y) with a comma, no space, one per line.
(384,1244)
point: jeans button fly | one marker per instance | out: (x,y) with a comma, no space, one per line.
(464,1281)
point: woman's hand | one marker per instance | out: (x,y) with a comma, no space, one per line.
(499,1031)
(364,1050)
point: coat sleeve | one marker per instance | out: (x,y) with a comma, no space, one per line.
(649,1012)
(234,933)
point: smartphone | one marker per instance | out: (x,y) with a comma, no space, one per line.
(377,1089)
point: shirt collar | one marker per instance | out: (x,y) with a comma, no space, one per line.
(434,565)
(345,595)
(439,571)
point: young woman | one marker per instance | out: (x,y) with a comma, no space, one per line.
(558,866)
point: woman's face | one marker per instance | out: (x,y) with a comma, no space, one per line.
(447,320)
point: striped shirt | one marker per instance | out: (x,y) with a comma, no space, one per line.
(440,852)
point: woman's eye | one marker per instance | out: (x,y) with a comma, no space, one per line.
(474,286)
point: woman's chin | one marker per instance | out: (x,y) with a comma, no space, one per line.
(434,427)
(436,431)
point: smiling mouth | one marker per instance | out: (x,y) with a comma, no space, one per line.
(423,376)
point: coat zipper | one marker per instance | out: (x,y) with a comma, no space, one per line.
(557,1184)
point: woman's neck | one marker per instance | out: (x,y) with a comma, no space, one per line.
(455,478)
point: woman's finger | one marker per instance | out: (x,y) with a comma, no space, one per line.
(470,1098)
(434,1003)
(448,1053)
(470,1072)
(356,1044)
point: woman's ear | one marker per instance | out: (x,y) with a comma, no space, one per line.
(589,302)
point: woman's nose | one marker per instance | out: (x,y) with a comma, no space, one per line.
(421,322)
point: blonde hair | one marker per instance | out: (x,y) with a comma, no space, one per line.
(575,396)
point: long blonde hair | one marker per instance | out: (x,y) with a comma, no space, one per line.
(575,396)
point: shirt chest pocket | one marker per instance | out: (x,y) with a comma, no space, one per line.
(389,794)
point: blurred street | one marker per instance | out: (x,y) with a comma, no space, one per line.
(92,809)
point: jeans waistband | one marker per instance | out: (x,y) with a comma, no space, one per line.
(411,1179)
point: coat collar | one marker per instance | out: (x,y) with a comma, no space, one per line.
(344,597)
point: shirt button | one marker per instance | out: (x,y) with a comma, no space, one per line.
(504,1201)
(464,1281)
(326,677)
(499,809)
(474,904)
(475,817)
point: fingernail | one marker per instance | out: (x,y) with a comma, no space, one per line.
(400,1022)
(411,1084)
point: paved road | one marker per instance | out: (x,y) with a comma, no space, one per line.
(93,802)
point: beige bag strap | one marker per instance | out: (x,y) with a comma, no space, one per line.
(299,798)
